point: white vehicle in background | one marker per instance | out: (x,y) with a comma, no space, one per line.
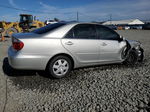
(50,22)
(127,27)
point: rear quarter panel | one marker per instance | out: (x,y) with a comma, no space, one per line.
(38,51)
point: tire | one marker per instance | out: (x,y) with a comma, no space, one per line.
(132,58)
(10,31)
(59,67)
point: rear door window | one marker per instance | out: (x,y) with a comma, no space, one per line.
(82,31)
(85,31)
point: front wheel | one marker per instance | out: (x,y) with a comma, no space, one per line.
(59,66)
(132,58)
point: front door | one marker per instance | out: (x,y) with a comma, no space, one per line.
(110,46)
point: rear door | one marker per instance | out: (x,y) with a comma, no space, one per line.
(110,46)
(82,43)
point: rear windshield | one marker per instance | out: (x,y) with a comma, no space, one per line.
(48,28)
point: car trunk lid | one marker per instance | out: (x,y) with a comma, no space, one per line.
(24,35)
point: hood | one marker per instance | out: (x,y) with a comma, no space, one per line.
(134,43)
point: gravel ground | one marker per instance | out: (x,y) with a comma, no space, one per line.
(108,88)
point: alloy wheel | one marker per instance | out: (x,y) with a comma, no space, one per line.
(60,67)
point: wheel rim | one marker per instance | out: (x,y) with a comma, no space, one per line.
(60,67)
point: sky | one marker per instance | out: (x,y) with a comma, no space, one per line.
(88,10)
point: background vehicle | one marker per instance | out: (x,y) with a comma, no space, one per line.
(8,28)
(64,46)
(26,24)
(127,27)
(51,21)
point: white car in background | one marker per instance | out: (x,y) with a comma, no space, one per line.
(50,22)
(127,27)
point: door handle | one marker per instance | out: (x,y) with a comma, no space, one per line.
(69,43)
(104,44)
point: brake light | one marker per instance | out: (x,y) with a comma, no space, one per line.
(17,44)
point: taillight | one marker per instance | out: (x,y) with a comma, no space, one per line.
(17,44)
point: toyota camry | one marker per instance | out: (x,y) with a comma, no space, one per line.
(58,48)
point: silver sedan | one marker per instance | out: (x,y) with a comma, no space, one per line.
(61,47)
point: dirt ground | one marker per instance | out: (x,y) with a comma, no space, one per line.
(107,88)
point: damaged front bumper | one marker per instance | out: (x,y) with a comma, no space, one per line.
(140,53)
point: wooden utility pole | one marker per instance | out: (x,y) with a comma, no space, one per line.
(110,19)
(77,16)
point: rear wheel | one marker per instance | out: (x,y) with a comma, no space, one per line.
(10,31)
(59,66)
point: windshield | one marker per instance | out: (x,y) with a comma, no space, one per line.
(26,18)
(48,28)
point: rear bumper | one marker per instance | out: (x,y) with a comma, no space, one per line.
(18,60)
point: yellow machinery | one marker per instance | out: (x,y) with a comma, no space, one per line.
(7,28)
(27,23)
